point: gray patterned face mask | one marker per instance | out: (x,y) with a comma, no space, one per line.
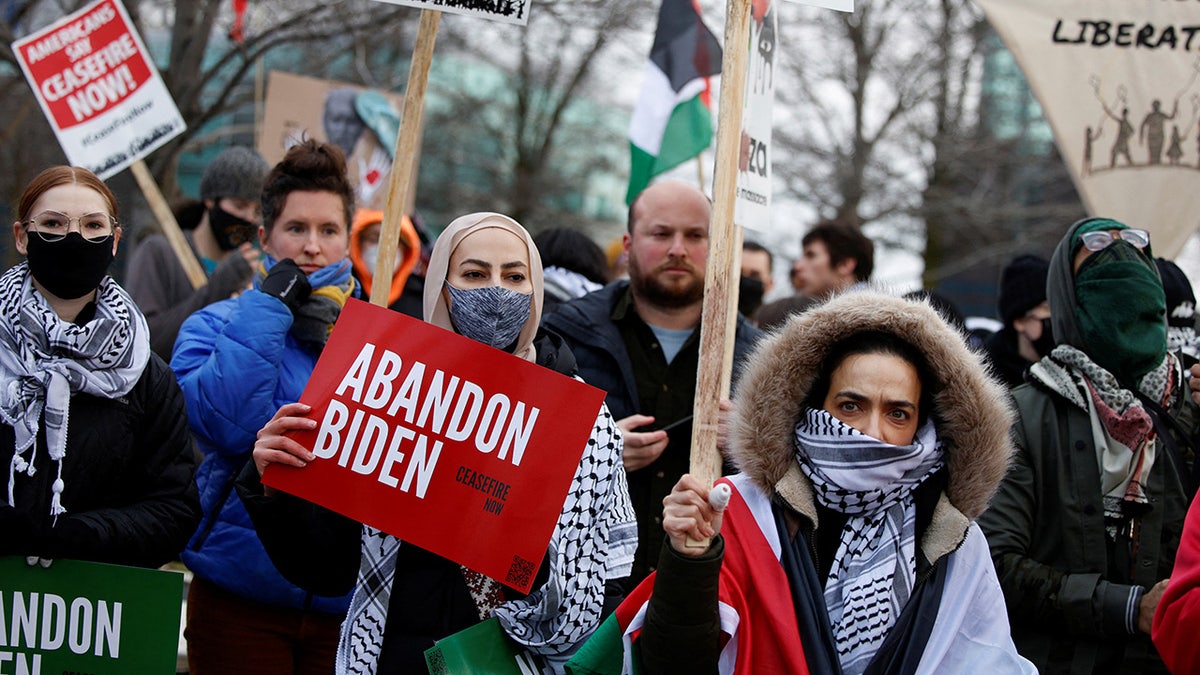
(492,315)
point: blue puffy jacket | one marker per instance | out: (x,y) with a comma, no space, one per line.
(238,363)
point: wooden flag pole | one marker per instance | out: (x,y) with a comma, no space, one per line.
(715,332)
(403,161)
(170,228)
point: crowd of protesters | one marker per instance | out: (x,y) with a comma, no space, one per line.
(904,495)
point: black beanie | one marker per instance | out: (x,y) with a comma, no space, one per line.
(1022,286)
(1181,301)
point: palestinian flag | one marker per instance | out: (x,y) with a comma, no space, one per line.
(610,650)
(671,122)
(759,625)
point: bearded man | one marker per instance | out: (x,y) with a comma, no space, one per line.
(639,341)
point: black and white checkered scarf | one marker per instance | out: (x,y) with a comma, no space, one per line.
(593,541)
(44,361)
(872,482)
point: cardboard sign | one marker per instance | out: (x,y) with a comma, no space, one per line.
(98,88)
(1119,83)
(81,617)
(505,11)
(453,446)
(752,208)
(362,122)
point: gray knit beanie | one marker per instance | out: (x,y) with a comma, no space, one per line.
(237,172)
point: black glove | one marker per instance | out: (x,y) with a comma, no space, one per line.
(16,531)
(287,282)
(69,538)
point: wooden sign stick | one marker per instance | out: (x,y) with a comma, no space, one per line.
(731,312)
(170,228)
(715,324)
(403,161)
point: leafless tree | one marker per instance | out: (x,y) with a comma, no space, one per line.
(886,122)
(544,111)
(854,109)
(995,187)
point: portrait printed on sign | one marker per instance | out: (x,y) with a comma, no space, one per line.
(362,122)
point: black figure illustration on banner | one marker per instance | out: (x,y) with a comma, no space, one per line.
(1151,133)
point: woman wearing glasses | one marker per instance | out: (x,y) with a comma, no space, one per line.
(93,434)
(1084,528)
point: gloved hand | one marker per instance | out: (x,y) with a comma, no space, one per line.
(16,531)
(287,282)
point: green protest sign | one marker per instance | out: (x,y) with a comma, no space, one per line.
(80,617)
(482,648)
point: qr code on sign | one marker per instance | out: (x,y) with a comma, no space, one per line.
(436,662)
(520,572)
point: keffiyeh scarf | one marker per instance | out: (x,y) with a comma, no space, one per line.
(872,482)
(1122,429)
(593,541)
(332,285)
(44,361)
(565,284)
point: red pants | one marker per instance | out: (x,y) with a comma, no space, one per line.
(230,635)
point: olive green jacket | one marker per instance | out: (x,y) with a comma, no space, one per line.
(1068,594)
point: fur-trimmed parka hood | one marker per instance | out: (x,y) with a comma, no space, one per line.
(971,408)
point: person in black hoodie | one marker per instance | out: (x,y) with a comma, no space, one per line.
(1084,528)
(1025,313)
(489,273)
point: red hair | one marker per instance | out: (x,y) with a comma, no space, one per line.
(63,175)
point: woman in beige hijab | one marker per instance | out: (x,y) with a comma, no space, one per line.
(484,282)
(493,278)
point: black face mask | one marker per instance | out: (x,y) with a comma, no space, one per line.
(229,230)
(71,267)
(1044,344)
(750,295)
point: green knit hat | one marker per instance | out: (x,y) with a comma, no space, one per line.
(1093,225)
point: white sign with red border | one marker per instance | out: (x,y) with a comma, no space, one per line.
(99,89)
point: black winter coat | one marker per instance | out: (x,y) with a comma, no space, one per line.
(128,474)
(586,324)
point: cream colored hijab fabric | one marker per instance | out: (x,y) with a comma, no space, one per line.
(437,312)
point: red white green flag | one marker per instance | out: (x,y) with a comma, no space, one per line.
(671,121)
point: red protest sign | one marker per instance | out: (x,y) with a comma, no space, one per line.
(94,79)
(450,445)
(86,65)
